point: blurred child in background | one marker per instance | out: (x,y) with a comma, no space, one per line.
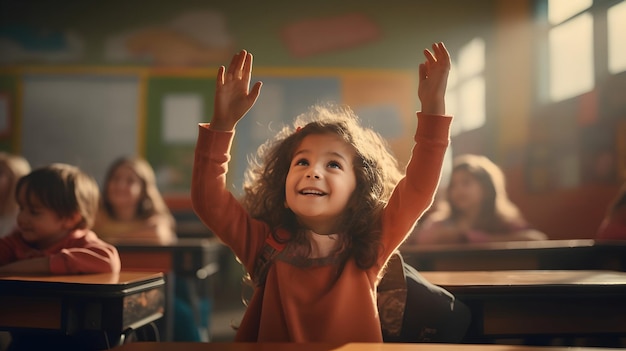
(476,208)
(133,211)
(57,207)
(12,168)
(132,208)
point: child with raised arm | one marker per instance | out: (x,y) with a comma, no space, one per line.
(57,207)
(329,192)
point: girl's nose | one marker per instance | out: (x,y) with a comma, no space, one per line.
(313,173)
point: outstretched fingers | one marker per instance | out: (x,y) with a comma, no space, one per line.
(247,69)
(236,65)
(441,54)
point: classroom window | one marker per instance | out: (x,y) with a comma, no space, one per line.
(465,98)
(571,58)
(560,10)
(616,27)
(584,44)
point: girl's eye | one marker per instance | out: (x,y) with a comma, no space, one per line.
(333,164)
(301,162)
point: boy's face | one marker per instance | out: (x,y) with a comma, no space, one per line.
(320,181)
(41,226)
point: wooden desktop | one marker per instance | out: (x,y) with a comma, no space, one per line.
(527,255)
(539,303)
(111,305)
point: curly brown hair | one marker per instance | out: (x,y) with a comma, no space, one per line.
(376,171)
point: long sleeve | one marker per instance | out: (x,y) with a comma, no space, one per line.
(81,251)
(85,254)
(415,192)
(218,209)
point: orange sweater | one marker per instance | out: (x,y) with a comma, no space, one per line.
(296,303)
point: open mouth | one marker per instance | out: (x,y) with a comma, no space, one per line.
(312,192)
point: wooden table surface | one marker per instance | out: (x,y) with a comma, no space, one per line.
(539,302)
(544,279)
(518,255)
(167,346)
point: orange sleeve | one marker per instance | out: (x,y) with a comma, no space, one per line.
(415,192)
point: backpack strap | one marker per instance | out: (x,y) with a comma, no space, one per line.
(270,251)
(392,294)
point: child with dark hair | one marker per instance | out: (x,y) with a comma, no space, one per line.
(326,189)
(476,208)
(57,207)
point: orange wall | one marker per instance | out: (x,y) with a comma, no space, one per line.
(563,213)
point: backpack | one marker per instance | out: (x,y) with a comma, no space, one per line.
(410,308)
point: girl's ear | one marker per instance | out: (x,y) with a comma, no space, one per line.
(72,221)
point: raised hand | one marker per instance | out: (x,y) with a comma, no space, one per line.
(433,79)
(233,96)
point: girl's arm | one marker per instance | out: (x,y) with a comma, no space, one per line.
(415,192)
(218,209)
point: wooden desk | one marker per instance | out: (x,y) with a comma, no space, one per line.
(523,255)
(111,304)
(186,257)
(189,261)
(539,303)
(167,346)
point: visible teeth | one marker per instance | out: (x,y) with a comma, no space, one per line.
(311,192)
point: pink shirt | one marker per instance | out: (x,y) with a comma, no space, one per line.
(81,251)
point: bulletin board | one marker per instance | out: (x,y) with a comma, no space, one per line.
(385,101)
(81,119)
(90,116)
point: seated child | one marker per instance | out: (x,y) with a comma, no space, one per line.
(132,209)
(476,208)
(57,207)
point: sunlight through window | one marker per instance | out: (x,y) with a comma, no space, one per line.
(465,98)
(472,58)
(571,58)
(472,103)
(560,10)
(616,20)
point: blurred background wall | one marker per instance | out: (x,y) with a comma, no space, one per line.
(539,88)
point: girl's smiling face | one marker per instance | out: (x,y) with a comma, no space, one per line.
(320,181)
